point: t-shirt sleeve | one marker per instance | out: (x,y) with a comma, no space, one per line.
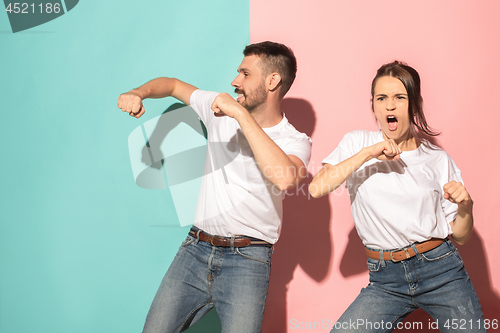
(452,173)
(344,150)
(201,102)
(301,147)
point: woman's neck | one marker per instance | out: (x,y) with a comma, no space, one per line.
(408,142)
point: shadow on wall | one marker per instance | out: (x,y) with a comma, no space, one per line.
(306,221)
(474,258)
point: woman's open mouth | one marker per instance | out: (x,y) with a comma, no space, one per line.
(392,123)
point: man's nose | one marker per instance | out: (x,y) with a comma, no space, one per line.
(236,82)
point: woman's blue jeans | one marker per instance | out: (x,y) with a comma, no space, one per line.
(435,281)
(233,280)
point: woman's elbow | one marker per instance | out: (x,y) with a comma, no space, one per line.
(461,240)
(315,190)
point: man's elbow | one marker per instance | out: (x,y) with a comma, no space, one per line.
(290,179)
(286,184)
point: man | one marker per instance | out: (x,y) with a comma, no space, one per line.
(225,260)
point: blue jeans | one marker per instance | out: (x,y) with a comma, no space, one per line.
(202,276)
(435,281)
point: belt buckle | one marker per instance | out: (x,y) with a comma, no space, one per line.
(398,260)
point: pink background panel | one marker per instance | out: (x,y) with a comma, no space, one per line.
(319,266)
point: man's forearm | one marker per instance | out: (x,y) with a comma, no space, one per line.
(131,102)
(280,169)
(156,88)
(165,87)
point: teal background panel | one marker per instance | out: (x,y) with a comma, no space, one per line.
(82,247)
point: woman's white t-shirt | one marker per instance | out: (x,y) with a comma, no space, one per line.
(397,203)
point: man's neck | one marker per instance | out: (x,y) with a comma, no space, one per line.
(268,114)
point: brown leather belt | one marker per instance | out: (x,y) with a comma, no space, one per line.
(226,241)
(407,252)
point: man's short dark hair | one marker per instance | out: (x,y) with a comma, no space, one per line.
(278,58)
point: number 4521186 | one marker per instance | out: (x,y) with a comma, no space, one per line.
(26,8)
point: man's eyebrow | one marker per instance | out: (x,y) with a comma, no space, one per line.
(243,69)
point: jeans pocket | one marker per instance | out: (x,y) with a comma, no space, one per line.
(188,241)
(457,255)
(442,251)
(257,253)
(373,265)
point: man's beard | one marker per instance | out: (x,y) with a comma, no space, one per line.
(255,98)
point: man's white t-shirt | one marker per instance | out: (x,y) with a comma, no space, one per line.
(397,203)
(235,198)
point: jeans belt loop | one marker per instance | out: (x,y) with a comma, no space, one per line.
(232,244)
(417,254)
(198,236)
(382,261)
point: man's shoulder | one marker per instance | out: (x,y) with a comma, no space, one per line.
(288,130)
(203,96)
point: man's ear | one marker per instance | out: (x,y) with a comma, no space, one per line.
(273,81)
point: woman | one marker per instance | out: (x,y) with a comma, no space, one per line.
(407,197)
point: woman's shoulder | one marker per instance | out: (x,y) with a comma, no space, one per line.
(363,137)
(428,147)
(435,153)
(364,134)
